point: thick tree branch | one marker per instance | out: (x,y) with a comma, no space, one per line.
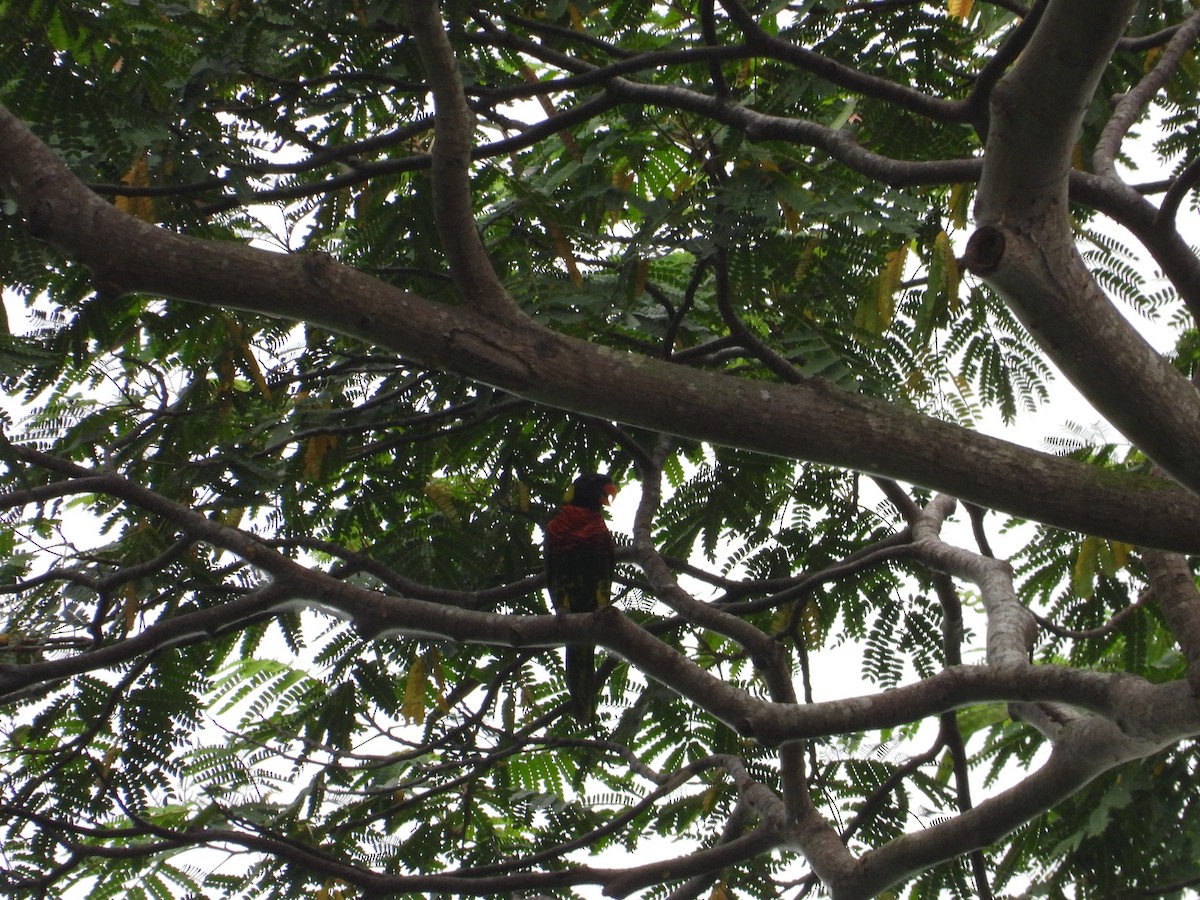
(1175,590)
(766,654)
(1025,247)
(813,420)
(1154,710)
(712,859)
(1014,44)
(1011,628)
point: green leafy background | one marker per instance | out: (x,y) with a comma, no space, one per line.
(304,126)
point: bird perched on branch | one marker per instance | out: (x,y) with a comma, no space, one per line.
(579,568)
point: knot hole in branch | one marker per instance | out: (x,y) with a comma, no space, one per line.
(985,249)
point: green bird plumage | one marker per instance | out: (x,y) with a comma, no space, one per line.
(580,557)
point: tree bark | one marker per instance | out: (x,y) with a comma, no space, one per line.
(1024,246)
(809,421)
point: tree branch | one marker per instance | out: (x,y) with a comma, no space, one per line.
(854,79)
(1175,590)
(1090,748)
(1168,208)
(1153,227)
(454,141)
(1025,247)
(994,69)
(813,420)
(759,126)
(1133,104)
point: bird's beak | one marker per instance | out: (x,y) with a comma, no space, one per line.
(610,491)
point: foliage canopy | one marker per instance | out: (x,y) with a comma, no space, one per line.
(303,382)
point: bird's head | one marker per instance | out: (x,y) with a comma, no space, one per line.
(591,491)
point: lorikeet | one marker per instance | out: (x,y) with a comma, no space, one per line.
(579,570)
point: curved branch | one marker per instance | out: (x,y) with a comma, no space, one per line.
(776,364)
(839,144)
(1148,41)
(1153,227)
(876,800)
(1157,709)
(53,490)
(1133,104)
(454,141)
(1011,628)
(1168,208)
(256,606)
(353,562)
(1175,590)
(1088,634)
(1091,748)
(765,652)
(1001,60)
(762,126)
(702,862)
(844,76)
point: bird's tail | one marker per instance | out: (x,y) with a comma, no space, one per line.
(581,682)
